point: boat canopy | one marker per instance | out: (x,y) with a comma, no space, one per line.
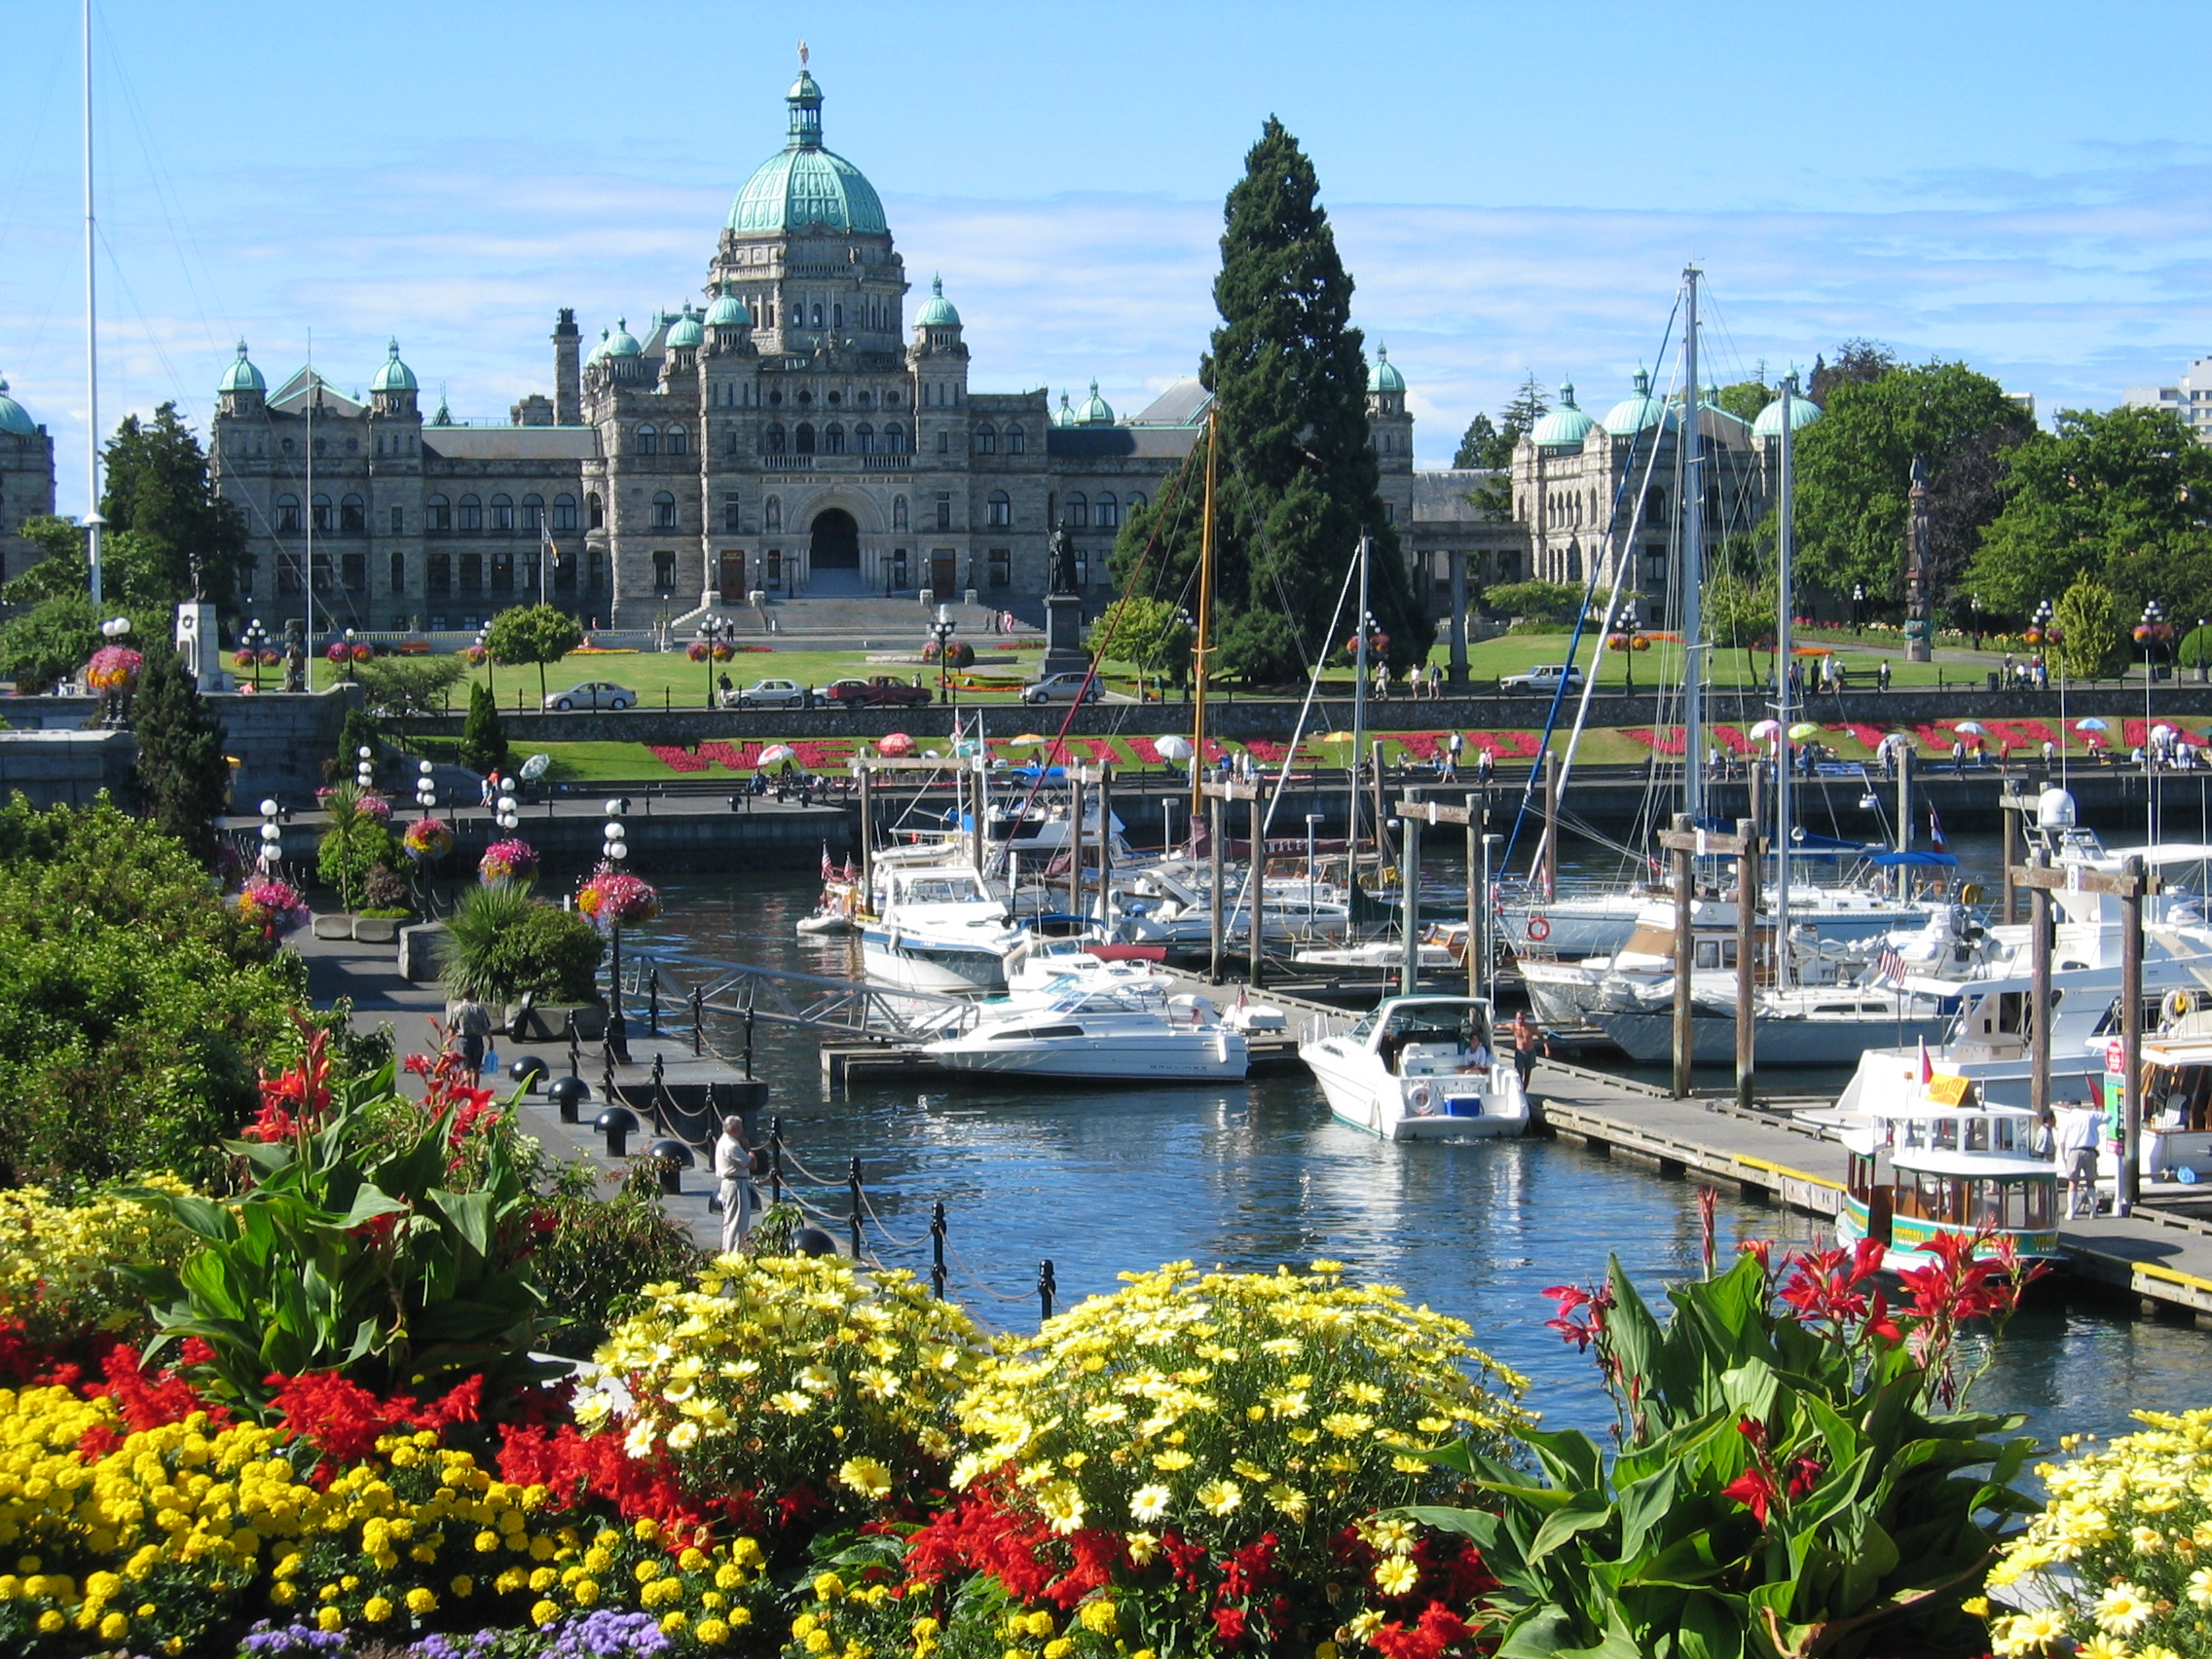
(1915,859)
(1805,845)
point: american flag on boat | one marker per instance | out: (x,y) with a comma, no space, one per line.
(1890,966)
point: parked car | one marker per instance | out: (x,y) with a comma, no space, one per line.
(593,694)
(1544,677)
(880,691)
(1062,689)
(776,694)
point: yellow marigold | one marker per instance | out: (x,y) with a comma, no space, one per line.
(377,1609)
(1100,1619)
(329,1618)
(711,1632)
(543,1613)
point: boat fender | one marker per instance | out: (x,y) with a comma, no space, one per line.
(1539,929)
(1422,1099)
(2178,1004)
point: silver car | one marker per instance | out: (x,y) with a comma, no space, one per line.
(775,694)
(593,694)
(1062,689)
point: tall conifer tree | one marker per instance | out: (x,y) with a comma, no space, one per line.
(1296,481)
(181,776)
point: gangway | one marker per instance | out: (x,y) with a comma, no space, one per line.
(782,996)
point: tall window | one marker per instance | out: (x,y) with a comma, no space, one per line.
(437,574)
(398,520)
(1109,513)
(323,521)
(944,509)
(287,572)
(353,570)
(1078,515)
(805,437)
(818,313)
(598,569)
(733,518)
(898,512)
(1000,561)
(986,441)
(772,514)
(471,513)
(648,440)
(1136,499)
(472,573)
(833,438)
(399,572)
(502,571)
(288,512)
(998,511)
(437,514)
(664,511)
(664,572)
(945,443)
(565,573)
(533,513)
(353,515)
(1016,440)
(894,438)
(679,441)
(864,439)
(503,514)
(595,514)
(773,439)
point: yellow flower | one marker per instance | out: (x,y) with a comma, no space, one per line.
(1142,1547)
(1099,1618)
(330,1618)
(1059,1648)
(1172,1461)
(2036,1632)
(711,1632)
(1150,1503)
(2201,1586)
(464,1585)
(2123,1610)
(2102,1646)
(113,1627)
(866,1476)
(1037,1623)
(377,1609)
(421,1601)
(1219,1497)
(1397,1575)
(544,1613)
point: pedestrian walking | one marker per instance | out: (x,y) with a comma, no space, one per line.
(1526,1036)
(2079,1130)
(1882,675)
(1486,766)
(470,1023)
(1452,743)
(733,1169)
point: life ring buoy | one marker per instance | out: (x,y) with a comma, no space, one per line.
(1538,929)
(1420,1099)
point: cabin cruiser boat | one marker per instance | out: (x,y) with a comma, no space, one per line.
(1813,1025)
(1102,1032)
(939,928)
(1432,955)
(1422,1068)
(1930,1170)
(1171,901)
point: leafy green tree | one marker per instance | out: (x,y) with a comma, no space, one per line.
(353,845)
(62,571)
(1540,601)
(358,731)
(483,739)
(537,634)
(1855,471)
(1147,634)
(2091,640)
(1746,398)
(181,776)
(1857,362)
(2196,651)
(1295,477)
(1740,614)
(502,945)
(163,513)
(398,686)
(2124,496)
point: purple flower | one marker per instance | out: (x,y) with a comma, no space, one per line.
(278,1642)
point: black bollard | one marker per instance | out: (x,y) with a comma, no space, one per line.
(853,1182)
(937,1250)
(1047,1287)
(568,1093)
(776,1159)
(617,1123)
(748,1043)
(674,1157)
(698,1021)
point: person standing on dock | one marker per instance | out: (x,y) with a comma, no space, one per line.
(733,1169)
(1525,1036)
(2078,1126)
(470,1022)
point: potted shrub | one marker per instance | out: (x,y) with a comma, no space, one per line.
(384,906)
(502,945)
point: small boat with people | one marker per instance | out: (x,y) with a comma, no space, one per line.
(1420,1068)
(1944,1168)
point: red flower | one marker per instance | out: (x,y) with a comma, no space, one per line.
(1229,1624)
(1437,1629)
(1754,1490)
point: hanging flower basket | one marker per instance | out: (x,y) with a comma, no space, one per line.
(696,650)
(428,838)
(339,652)
(724,650)
(114,668)
(613,898)
(373,806)
(275,908)
(511,859)
(1377,644)
(477,655)
(245,659)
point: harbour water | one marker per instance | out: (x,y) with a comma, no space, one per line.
(1104,1181)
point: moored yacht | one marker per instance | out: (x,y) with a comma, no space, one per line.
(1420,1068)
(1102,1032)
(938,927)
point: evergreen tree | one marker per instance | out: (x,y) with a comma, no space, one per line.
(181,776)
(1529,406)
(163,513)
(1477,444)
(1296,480)
(483,739)
(2090,639)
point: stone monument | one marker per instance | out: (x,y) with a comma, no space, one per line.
(1919,570)
(1063,611)
(198,643)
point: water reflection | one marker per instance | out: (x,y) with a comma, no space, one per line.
(1104,1181)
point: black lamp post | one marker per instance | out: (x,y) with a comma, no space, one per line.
(115,631)
(254,640)
(1858,608)
(942,631)
(483,643)
(712,631)
(1631,631)
(2150,631)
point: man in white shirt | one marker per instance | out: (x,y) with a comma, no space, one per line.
(733,1169)
(2079,1128)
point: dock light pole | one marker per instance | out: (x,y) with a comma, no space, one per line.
(1482,981)
(484,645)
(271,837)
(425,787)
(365,768)
(614,848)
(942,631)
(253,642)
(1312,825)
(508,810)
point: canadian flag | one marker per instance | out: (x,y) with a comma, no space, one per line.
(1927,1065)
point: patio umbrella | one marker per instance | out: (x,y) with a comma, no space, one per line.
(895,743)
(1027,740)
(2092,724)
(1174,749)
(1335,737)
(1767,729)
(1970,728)
(2163,731)
(1803,729)
(776,752)
(1896,740)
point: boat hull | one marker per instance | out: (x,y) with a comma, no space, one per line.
(1167,1057)
(1648,1039)
(910,962)
(1910,1236)
(1457,1109)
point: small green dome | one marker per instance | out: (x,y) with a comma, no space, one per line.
(394,374)
(1063,416)
(686,332)
(600,351)
(1565,426)
(803,184)
(1383,376)
(16,419)
(728,311)
(1639,412)
(1094,411)
(938,311)
(242,376)
(1803,412)
(623,343)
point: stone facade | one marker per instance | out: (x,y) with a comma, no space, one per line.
(794,436)
(26,482)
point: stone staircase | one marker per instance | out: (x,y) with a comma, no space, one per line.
(851,621)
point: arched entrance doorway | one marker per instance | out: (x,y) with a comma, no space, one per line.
(835,553)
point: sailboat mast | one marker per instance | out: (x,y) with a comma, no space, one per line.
(307,577)
(1785,702)
(1358,719)
(94,523)
(1204,660)
(1693,562)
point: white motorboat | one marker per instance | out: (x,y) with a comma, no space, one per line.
(1379,956)
(1121,1033)
(1420,1068)
(939,928)
(1825,1026)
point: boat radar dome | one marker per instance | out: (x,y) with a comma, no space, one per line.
(2054,810)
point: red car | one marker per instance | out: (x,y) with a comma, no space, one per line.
(883,691)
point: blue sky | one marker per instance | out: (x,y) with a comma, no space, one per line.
(1514,188)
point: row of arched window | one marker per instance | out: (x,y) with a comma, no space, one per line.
(865,439)
(988,440)
(1105,513)
(652,440)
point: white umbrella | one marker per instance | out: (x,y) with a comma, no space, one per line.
(1171,749)
(1896,740)
(2092,724)
(1970,728)
(775,751)
(1767,729)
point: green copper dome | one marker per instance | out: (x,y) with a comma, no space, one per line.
(623,343)
(728,311)
(16,419)
(242,376)
(1383,376)
(803,184)
(1094,411)
(686,332)
(1563,427)
(394,374)
(1639,412)
(1063,416)
(1803,412)
(938,311)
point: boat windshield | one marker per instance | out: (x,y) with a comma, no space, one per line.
(942,890)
